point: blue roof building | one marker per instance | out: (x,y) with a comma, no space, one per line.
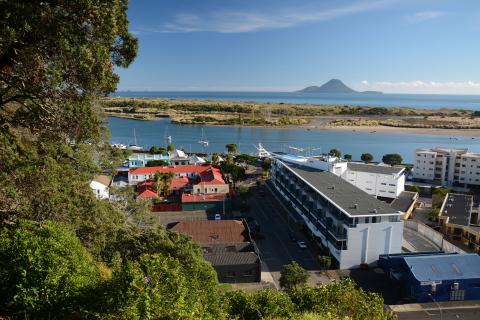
(438,276)
(140,160)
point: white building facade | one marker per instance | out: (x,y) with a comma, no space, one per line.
(377,180)
(101,186)
(447,167)
(354,226)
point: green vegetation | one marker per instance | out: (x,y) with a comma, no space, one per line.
(170,148)
(392,159)
(366,157)
(414,188)
(65,254)
(156,163)
(325,262)
(231,147)
(434,213)
(157,150)
(347,157)
(335,153)
(293,276)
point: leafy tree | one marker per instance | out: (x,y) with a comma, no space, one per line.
(159,286)
(44,270)
(392,159)
(415,188)
(215,158)
(335,153)
(434,213)
(167,179)
(366,157)
(347,157)
(264,304)
(440,191)
(267,165)
(231,147)
(341,299)
(157,150)
(325,262)
(156,163)
(293,276)
(170,148)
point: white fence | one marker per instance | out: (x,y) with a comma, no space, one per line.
(432,235)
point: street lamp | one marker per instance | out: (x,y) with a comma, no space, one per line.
(438,305)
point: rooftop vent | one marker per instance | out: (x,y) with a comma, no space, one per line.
(355,206)
(374,211)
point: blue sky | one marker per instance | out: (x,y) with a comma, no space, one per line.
(405,46)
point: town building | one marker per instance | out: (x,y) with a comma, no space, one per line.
(354,226)
(379,180)
(434,277)
(405,203)
(178,158)
(459,222)
(228,246)
(447,167)
(382,181)
(140,160)
(101,186)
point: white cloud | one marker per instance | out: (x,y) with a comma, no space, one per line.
(425,15)
(248,21)
(418,86)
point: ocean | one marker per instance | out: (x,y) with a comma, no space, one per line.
(428,101)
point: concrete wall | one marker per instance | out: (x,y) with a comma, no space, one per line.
(434,236)
(210,188)
(367,241)
(379,185)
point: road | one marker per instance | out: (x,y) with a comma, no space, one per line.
(418,242)
(277,249)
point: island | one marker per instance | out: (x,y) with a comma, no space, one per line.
(334,86)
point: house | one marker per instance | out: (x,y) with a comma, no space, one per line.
(456,214)
(434,277)
(140,160)
(100,186)
(196,160)
(351,224)
(178,158)
(227,245)
(137,175)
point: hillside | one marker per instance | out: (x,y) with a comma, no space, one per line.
(333,86)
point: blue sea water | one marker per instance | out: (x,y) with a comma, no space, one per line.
(279,139)
(429,101)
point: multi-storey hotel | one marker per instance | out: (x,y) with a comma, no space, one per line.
(447,167)
(354,226)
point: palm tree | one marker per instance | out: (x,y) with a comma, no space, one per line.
(157,182)
(167,179)
(215,158)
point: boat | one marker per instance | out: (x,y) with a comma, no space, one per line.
(262,152)
(119,146)
(203,141)
(134,146)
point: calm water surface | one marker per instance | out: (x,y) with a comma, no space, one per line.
(186,136)
(429,101)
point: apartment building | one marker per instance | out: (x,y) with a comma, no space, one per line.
(378,180)
(354,226)
(447,167)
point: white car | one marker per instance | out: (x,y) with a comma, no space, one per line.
(302,244)
(218,216)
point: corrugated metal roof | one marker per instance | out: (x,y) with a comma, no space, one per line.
(444,267)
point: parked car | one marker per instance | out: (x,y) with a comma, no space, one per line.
(302,244)
(218,216)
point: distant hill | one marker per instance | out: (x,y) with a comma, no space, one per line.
(333,86)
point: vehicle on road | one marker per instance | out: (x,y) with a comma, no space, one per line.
(302,244)
(218,216)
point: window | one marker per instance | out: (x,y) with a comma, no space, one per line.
(457,295)
(247,273)
(383,184)
(230,274)
(391,185)
(367,220)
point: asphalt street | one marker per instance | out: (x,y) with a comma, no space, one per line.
(276,247)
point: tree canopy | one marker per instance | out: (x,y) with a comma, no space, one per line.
(392,159)
(335,153)
(366,157)
(293,276)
